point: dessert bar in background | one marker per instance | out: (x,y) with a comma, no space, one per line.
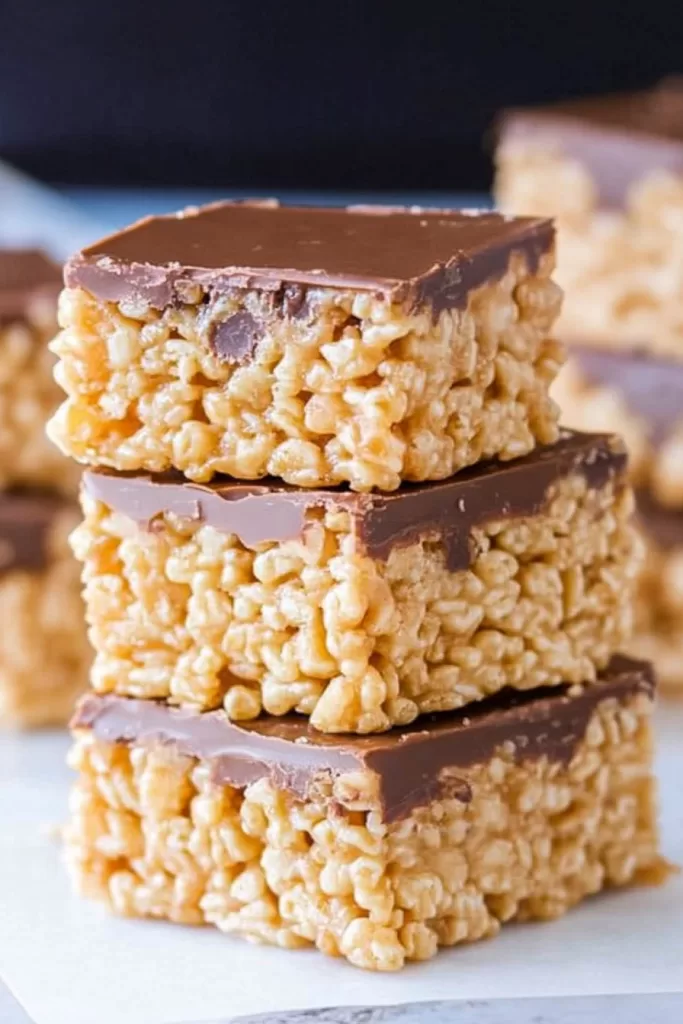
(367,346)
(361,611)
(29,288)
(378,849)
(44,653)
(612,170)
(640,395)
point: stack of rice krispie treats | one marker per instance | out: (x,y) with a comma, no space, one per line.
(357,603)
(43,647)
(611,169)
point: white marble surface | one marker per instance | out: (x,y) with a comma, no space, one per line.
(69,963)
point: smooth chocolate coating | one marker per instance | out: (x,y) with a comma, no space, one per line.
(26,519)
(447,510)
(663,525)
(416,257)
(650,385)
(618,138)
(25,275)
(414,764)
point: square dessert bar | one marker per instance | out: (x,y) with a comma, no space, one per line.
(365,346)
(29,287)
(360,610)
(659,593)
(640,395)
(611,169)
(44,652)
(378,849)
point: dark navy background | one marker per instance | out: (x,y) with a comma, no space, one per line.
(271,93)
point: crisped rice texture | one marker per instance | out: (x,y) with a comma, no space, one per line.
(659,616)
(188,614)
(28,397)
(353,390)
(656,467)
(621,270)
(44,652)
(152,836)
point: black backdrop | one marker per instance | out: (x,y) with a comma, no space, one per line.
(270,93)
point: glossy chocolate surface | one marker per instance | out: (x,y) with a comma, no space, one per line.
(412,256)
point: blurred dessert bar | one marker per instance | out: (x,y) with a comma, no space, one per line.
(29,287)
(361,611)
(377,849)
(610,169)
(44,652)
(43,649)
(362,346)
(640,395)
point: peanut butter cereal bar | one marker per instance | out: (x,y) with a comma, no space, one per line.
(29,287)
(44,653)
(611,170)
(377,849)
(367,346)
(360,611)
(640,395)
(659,594)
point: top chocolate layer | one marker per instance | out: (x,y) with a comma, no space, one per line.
(25,275)
(414,764)
(446,510)
(650,385)
(618,138)
(415,256)
(26,519)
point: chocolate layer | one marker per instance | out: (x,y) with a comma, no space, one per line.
(618,138)
(663,525)
(447,510)
(25,276)
(411,763)
(411,256)
(650,385)
(26,519)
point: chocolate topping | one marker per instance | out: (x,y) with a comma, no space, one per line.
(618,138)
(447,510)
(25,275)
(414,764)
(664,525)
(650,385)
(26,519)
(411,256)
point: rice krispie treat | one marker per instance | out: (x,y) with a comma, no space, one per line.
(366,346)
(640,395)
(377,849)
(44,653)
(29,287)
(360,611)
(611,170)
(659,594)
